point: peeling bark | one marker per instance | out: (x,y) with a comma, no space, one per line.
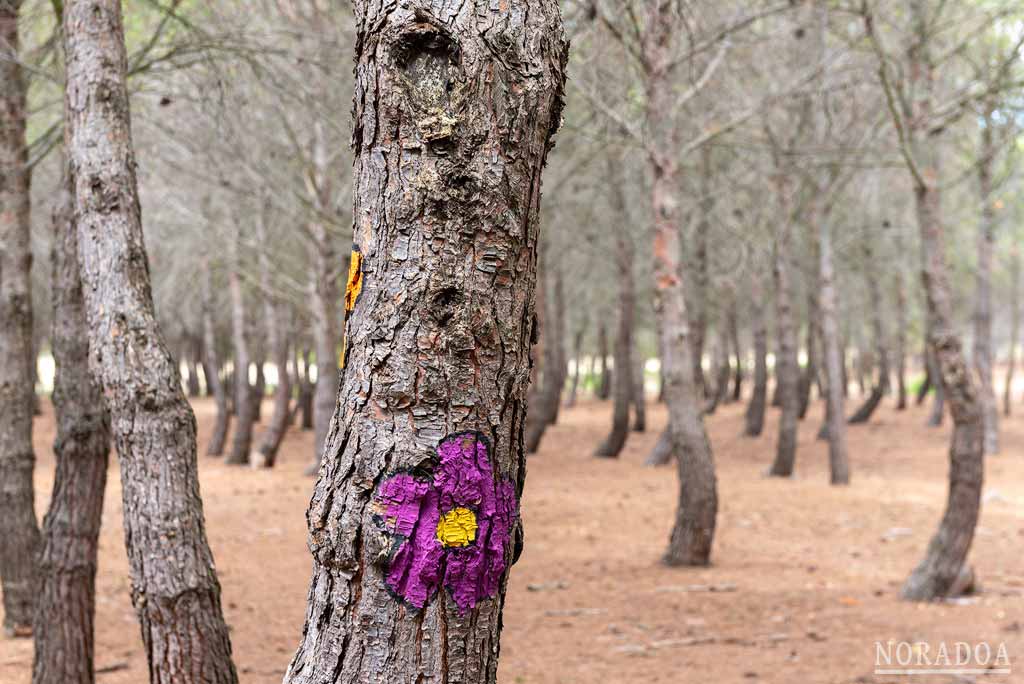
(454,107)
(174,582)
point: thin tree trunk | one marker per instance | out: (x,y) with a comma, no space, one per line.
(754,423)
(277,342)
(64,634)
(245,405)
(191,366)
(835,418)
(324,294)
(19,530)
(881,387)
(624,256)
(639,395)
(577,353)
(938,410)
(215,447)
(174,582)
(604,373)
(945,559)
(539,396)
(259,388)
(431,411)
(1011,365)
(304,402)
(926,386)
(810,371)
(694,528)
(561,358)
(900,286)
(787,369)
(983,353)
(698,301)
(734,338)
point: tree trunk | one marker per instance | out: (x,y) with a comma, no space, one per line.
(758,400)
(1014,328)
(734,338)
(926,386)
(538,416)
(835,411)
(934,578)
(604,373)
(561,358)
(192,355)
(577,353)
(810,372)
(245,400)
(64,635)
(174,582)
(277,343)
(694,528)
(639,395)
(259,388)
(19,531)
(698,301)
(304,402)
(215,447)
(428,434)
(787,367)
(900,287)
(324,292)
(983,353)
(624,256)
(938,410)
(878,331)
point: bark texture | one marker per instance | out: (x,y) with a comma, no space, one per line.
(19,531)
(67,595)
(454,108)
(174,583)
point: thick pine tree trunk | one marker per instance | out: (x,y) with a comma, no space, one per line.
(983,353)
(429,426)
(694,529)
(174,582)
(947,553)
(245,400)
(67,594)
(19,531)
(754,419)
(623,389)
(215,447)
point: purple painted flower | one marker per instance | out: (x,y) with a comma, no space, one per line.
(451,529)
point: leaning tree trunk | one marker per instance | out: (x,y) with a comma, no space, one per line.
(947,553)
(67,594)
(19,531)
(414,519)
(754,419)
(878,332)
(694,529)
(623,388)
(787,367)
(174,582)
(245,400)
(835,411)
(983,289)
(1014,328)
(215,447)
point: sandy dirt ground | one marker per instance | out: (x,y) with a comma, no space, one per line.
(805,576)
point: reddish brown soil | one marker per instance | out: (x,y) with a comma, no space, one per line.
(811,572)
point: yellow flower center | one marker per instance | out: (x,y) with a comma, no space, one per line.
(457,527)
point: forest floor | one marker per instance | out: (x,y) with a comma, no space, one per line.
(805,578)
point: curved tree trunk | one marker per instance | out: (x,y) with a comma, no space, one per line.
(694,529)
(983,289)
(245,399)
(174,582)
(438,344)
(19,531)
(945,559)
(64,635)
(215,447)
(754,422)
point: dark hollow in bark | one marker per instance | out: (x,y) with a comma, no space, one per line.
(174,582)
(64,635)
(19,531)
(464,99)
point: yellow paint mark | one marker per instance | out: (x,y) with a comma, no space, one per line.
(355,280)
(457,527)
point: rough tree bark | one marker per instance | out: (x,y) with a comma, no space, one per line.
(461,99)
(66,607)
(19,531)
(622,389)
(936,575)
(754,419)
(245,400)
(880,337)
(174,582)
(694,529)
(215,447)
(983,288)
